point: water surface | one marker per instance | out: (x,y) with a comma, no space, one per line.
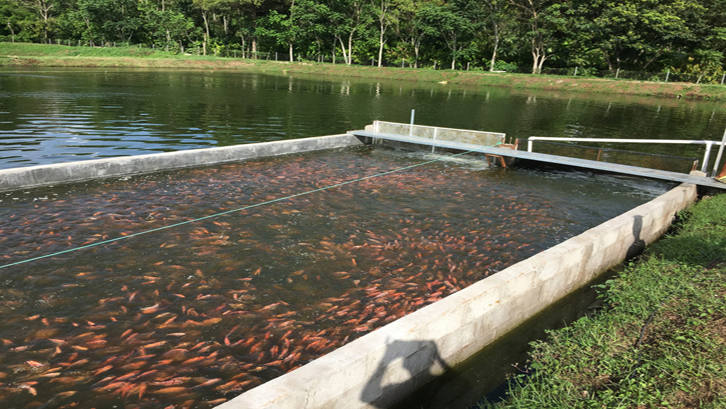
(61,115)
(197,313)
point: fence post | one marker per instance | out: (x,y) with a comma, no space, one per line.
(373,61)
(575,71)
(467,66)
(723,78)
(668,74)
(403,61)
(617,73)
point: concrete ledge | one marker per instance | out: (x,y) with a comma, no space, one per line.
(35,176)
(386,365)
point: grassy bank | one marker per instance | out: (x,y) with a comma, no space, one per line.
(660,340)
(39,55)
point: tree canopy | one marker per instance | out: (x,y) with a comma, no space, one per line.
(682,36)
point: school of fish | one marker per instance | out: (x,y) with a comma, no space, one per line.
(191,316)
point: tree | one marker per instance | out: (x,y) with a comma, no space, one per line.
(452,25)
(348,18)
(536,15)
(165,25)
(45,9)
(385,11)
(498,13)
(412,27)
(206,7)
(15,21)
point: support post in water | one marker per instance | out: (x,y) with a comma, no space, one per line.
(718,157)
(410,129)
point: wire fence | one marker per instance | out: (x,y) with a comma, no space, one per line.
(236,51)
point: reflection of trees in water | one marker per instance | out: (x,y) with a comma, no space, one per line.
(421,361)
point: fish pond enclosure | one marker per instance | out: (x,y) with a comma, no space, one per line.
(226,277)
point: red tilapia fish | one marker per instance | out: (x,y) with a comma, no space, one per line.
(193,315)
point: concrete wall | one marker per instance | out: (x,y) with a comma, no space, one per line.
(442,134)
(34,176)
(380,368)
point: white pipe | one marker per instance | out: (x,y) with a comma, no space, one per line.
(410,130)
(670,141)
(706,156)
(436,133)
(718,157)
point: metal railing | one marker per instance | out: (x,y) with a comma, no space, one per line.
(706,155)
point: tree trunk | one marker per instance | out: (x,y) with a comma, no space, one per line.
(350,48)
(206,32)
(342,48)
(496,48)
(380,49)
(12,32)
(645,67)
(609,62)
(541,63)
(289,47)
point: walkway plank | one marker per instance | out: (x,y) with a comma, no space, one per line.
(553,159)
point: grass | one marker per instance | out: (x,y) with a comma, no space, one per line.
(43,55)
(660,340)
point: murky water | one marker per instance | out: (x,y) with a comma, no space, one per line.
(60,115)
(196,314)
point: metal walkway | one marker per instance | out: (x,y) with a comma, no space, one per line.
(557,160)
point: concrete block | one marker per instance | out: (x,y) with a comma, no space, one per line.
(45,175)
(385,365)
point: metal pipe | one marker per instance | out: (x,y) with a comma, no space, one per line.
(706,156)
(410,129)
(668,141)
(436,133)
(718,157)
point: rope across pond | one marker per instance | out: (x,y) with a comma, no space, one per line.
(229,211)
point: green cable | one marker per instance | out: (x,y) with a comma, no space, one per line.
(228,212)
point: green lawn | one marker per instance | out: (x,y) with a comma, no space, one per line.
(44,55)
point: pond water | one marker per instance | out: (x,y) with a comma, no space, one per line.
(59,115)
(196,314)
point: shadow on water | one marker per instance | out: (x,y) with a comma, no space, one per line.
(420,360)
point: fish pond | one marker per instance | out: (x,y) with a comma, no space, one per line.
(187,288)
(60,115)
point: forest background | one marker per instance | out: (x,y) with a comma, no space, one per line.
(685,37)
